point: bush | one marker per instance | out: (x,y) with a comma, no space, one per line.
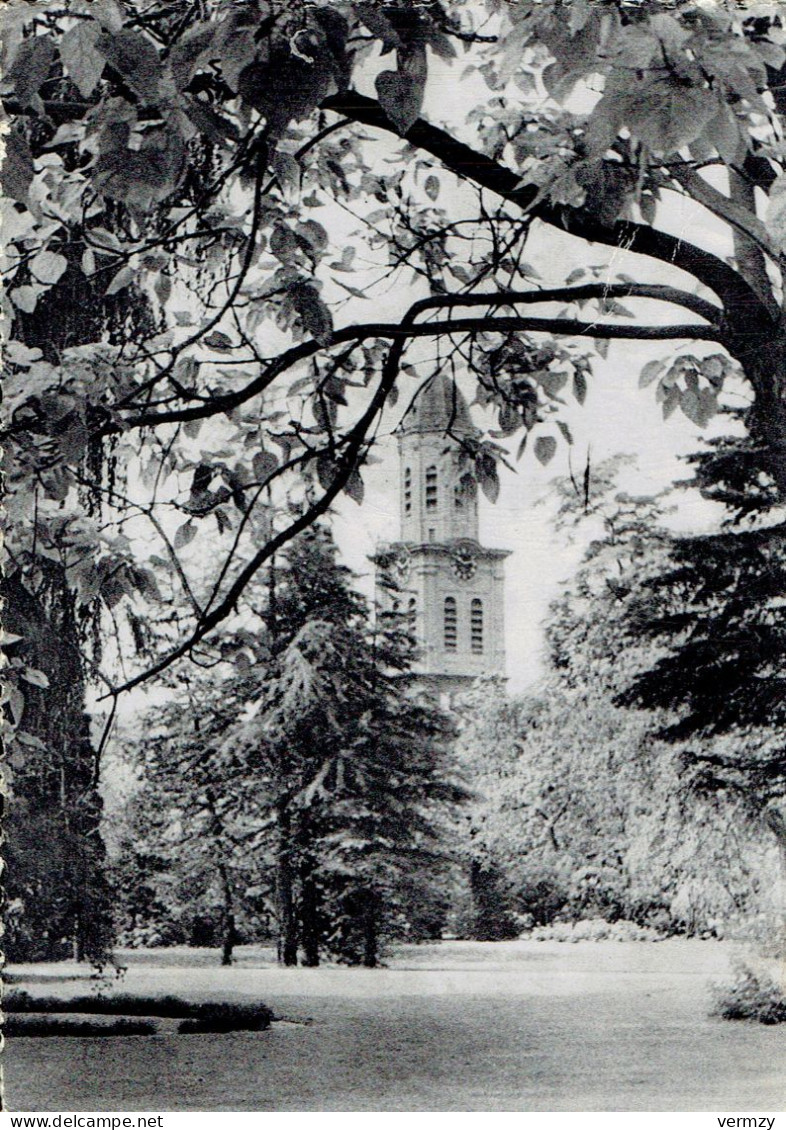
(541,896)
(207,1016)
(751,996)
(42,1024)
(595,930)
(597,892)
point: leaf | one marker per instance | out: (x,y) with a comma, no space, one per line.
(81,57)
(287,171)
(315,315)
(522,446)
(602,346)
(30,68)
(432,187)
(208,121)
(326,470)
(135,59)
(574,276)
(345,263)
(218,341)
(488,475)
(651,371)
(565,432)
(25,298)
(580,386)
(354,487)
(314,234)
(192,428)
(401,97)
(723,132)
(34,676)
(48,266)
(379,25)
(263,465)
(88,261)
(775,216)
(123,278)
(670,402)
(545,449)
(185,534)
(188,50)
(509,420)
(17,169)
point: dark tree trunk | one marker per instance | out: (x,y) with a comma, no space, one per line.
(285,899)
(228,943)
(55,858)
(309,917)
(370,931)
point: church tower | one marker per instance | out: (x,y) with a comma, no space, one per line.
(438,570)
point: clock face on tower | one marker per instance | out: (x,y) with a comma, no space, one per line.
(463,564)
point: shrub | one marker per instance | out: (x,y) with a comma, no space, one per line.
(751,996)
(541,896)
(595,930)
(43,1024)
(231,1016)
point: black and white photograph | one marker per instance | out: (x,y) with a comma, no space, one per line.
(394,555)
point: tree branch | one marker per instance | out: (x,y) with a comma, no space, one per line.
(344,468)
(405,330)
(469,164)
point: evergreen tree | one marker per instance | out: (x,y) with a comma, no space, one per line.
(714,609)
(359,767)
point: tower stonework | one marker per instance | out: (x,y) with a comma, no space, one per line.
(437,570)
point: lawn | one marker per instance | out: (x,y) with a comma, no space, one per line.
(457,1026)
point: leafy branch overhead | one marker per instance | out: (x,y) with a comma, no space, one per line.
(246,214)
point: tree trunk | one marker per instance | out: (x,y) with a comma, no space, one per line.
(228,943)
(287,919)
(370,931)
(309,917)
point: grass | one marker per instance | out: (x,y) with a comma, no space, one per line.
(510,1026)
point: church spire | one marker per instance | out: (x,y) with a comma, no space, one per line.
(437,570)
(437,490)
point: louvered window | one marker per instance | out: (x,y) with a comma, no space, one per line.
(431,488)
(476,626)
(450,624)
(407,491)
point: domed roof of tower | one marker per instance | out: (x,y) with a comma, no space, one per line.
(439,407)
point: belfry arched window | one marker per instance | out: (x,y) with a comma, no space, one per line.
(431,488)
(407,490)
(476,626)
(450,624)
